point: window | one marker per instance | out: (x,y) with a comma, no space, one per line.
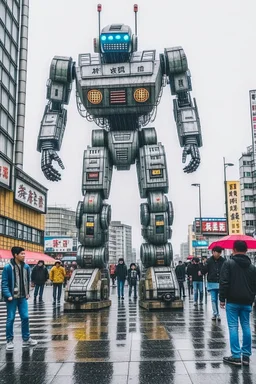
(249,223)
(2,33)
(2,12)
(249,210)
(20,231)
(7,43)
(5,99)
(248,198)
(2,225)
(15,11)
(248,185)
(8,22)
(29,234)
(10,228)
(4,120)
(247,174)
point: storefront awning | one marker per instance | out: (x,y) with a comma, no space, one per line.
(30,258)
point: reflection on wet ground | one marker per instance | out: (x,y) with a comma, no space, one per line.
(123,344)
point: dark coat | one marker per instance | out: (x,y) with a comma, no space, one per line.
(121,271)
(180,272)
(213,268)
(238,280)
(193,271)
(133,276)
(39,275)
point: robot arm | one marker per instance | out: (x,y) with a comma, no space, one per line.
(185,109)
(59,85)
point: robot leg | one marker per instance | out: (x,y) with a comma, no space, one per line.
(158,287)
(88,286)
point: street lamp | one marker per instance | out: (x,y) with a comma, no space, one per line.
(225,165)
(200,206)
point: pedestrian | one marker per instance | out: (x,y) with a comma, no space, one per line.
(121,274)
(212,268)
(237,293)
(196,276)
(39,276)
(180,271)
(57,276)
(15,291)
(112,271)
(133,277)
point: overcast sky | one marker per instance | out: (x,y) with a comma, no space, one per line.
(219,40)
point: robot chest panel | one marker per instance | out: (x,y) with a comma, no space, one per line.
(106,89)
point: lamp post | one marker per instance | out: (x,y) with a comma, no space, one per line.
(225,165)
(200,206)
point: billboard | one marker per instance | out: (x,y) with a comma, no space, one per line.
(211,226)
(252,94)
(200,243)
(60,244)
(234,208)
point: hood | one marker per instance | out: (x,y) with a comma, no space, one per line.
(242,260)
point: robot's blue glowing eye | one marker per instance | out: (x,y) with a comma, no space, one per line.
(110,37)
(126,37)
(103,38)
(118,37)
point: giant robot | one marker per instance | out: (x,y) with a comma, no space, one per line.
(119,88)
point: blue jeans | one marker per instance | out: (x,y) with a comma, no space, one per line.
(120,287)
(198,286)
(39,288)
(241,312)
(215,298)
(11,307)
(57,286)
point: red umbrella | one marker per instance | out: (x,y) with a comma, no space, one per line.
(227,242)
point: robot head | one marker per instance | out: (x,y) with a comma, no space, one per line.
(116,42)
(116,38)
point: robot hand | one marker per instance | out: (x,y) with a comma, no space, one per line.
(191,149)
(48,155)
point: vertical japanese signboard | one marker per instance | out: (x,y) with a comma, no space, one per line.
(5,173)
(253,119)
(234,208)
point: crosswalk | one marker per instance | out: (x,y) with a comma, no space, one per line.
(41,319)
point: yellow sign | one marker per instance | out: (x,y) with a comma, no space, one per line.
(156,172)
(234,208)
(89,224)
(159,223)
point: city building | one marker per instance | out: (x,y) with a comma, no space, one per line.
(60,221)
(60,232)
(184,251)
(247,173)
(120,242)
(22,199)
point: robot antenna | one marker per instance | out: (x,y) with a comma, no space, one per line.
(135,9)
(99,9)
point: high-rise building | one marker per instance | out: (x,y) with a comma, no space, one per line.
(22,199)
(120,242)
(247,171)
(60,222)
(184,251)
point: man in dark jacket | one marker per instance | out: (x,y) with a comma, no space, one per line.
(133,277)
(212,268)
(181,274)
(196,276)
(39,276)
(121,274)
(237,292)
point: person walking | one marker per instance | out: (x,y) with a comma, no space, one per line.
(39,276)
(133,277)
(121,274)
(212,268)
(15,291)
(180,271)
(237,293)
(112,271)
(57,276)
(196,276)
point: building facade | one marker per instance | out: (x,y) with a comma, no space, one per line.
(22,199)
(247,171)
(184,251)
(60,221)
(120,242)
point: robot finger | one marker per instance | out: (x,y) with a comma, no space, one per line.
(184,155)
(56,157)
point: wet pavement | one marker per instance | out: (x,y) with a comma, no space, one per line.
(122,345)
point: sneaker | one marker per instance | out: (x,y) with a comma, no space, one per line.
(122,297)
(246,360)
(54,303)
(218,318)
(9,346)
(29,343)
(232,360)
(201,303)
(195,304)
(214,318)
